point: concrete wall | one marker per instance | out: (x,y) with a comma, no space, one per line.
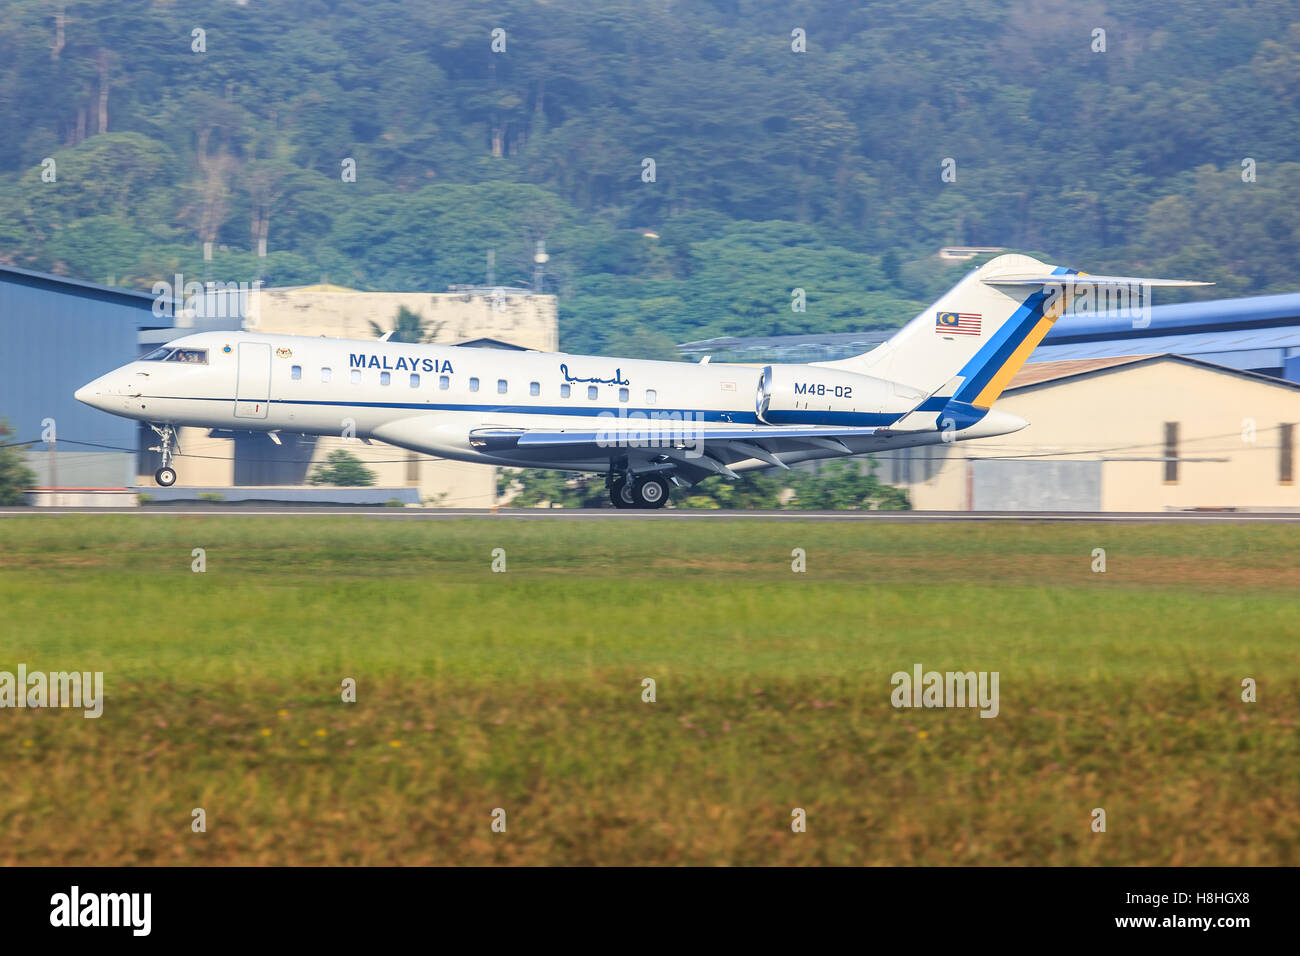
(82,469)
(529,321)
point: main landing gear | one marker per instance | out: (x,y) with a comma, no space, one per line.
(638,491)
(166,475)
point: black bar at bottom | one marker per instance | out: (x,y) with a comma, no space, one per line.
(302,906)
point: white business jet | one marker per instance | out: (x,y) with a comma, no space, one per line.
(646,425)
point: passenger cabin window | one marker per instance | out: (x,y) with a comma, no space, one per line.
(415,380)
(295,373)
(473,385)
(324,375)
(651,396)
(356,376)
(622,395)
(534,388)
(501,386)
(564,391)
(592,393)
(385,378)
(444,382)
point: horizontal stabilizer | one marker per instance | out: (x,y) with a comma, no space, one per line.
(1034,282)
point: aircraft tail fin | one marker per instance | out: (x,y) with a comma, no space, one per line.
(969,344)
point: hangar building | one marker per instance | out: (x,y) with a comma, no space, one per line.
(1122,433)
(58,334)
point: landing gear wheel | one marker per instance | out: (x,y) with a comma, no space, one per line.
(166,475)
(620,494)
(650,492)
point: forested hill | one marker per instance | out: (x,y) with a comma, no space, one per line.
(773,169)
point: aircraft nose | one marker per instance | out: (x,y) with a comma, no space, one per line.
(96,394)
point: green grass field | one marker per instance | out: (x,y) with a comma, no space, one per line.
(522,691)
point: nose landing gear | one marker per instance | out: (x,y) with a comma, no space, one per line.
(166,475)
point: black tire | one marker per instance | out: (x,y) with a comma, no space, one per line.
(620,494)
(166,477)
(651,492)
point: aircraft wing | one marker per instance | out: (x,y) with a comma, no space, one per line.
(700,450)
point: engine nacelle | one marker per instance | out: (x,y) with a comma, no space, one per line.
(811,395)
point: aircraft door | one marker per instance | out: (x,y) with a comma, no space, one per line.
(253,385)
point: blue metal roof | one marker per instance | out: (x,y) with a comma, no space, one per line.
(1257,333)
(69,286)
(1258,311)
(1243,348)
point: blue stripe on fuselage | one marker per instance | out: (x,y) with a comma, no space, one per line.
(985,363)
(708,415)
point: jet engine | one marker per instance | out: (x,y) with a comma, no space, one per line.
(812,395)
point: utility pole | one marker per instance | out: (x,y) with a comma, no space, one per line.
(540,258)
(54,467)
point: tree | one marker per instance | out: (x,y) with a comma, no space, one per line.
(342,468)
(537,487)
(15,477)
(409,327)
(774,170)
(844,485)
(755,491)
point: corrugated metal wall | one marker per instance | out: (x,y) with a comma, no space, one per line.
(54,339)
(1033,485)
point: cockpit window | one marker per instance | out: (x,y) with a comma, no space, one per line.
(169,354)
(191,356)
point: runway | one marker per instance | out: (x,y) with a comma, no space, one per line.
(275,510)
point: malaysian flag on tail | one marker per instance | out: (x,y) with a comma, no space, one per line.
(957,323)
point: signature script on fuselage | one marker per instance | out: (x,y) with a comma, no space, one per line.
(618,378)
